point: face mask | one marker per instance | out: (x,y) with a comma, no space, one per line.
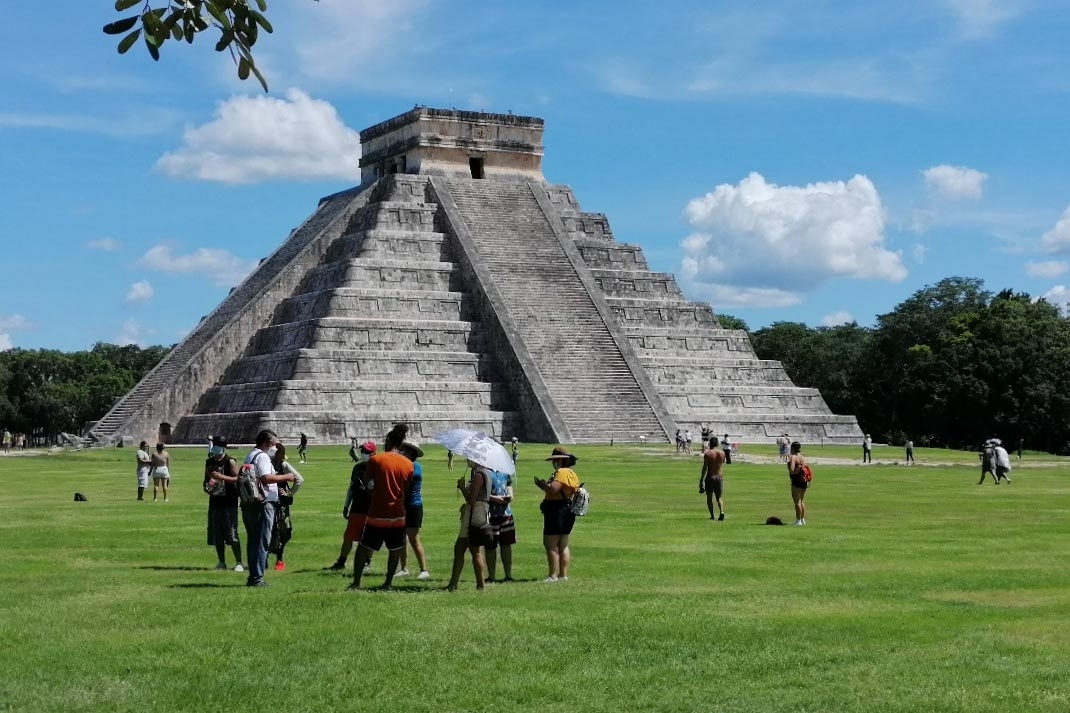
(365,457)
(216,451)
(272,451)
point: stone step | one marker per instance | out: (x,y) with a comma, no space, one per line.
(333,395)
(378,243)
(615,256)
(703,406)
(379,302)
(337,427)
(362,364)
(368,334)
(383,272)
(636,283)
(661,312)
(395,215)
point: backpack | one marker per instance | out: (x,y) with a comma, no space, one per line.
(580,502)
(250,489)
(807,474)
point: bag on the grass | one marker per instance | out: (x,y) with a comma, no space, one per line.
(580,502)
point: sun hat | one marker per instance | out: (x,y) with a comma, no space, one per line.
(412,448)
(560,453)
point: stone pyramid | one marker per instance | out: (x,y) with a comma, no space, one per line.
(455,287)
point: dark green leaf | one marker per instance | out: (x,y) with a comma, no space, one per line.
(120,26)
(261,20)
(176,32)
(154,52)
(127,42)
(225,38)
(243,69)
(259,77)
(262,4)
(121,5)
(219,15)
(190,32)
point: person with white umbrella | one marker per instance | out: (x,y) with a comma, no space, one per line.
(475,532)
(558,519)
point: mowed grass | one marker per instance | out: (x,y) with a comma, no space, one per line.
(911,589)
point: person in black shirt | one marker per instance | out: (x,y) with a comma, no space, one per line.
(221,484)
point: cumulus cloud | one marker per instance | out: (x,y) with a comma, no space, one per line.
(132,333)
(260,138)
(5,342)
(107,245)
(766,244)
(981,18)
(837,318)
(1047,269)
(1057,240)
(221,267)
(140,291)
(14,321)
(955,182)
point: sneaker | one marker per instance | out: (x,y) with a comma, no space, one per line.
(424,574)
(402,573)
(280,566)
(222,565)
(166,500)
(259,583)
(562,579)
(720,517)
(336,567)
(239,568)
(803,522)
(508,579)
(798,522)
(550,579)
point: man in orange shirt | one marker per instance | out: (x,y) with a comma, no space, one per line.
(389,477)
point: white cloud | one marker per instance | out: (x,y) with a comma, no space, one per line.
(918,252)
(15,321)
(132,333)
(955,182)
(5,342)
(768,244)
(1057,240)
(258,138)
(108,245)
(140,291)
(837,318)
(219,266)
(1047,269)
(981,18)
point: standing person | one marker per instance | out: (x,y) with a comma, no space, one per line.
(282,528)
(727,448)
(161,471)
(987,456)
(144,467)
(221,484)
(1003,463)
(449,460)
(358,500)
(7,441)
(414,513)
(503,529)
(799,483)
(910,452)
(1021,446)
(687,442)
(710,481)
(302,448)
(558,520)
(515,451)
(867,449)
(259,517)
(389,477)
(475,532)
(782,447)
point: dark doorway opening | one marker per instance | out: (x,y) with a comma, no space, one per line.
(165,432)
(476,164)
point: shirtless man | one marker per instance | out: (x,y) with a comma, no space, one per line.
(710,481)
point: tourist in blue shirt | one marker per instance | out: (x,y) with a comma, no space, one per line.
(414,512)
(501,522)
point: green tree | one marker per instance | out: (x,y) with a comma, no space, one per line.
(729,321)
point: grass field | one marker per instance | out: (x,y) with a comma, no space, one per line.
(911,589)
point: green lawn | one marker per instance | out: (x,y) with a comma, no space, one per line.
(911,589)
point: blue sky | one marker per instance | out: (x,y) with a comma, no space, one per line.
(788,160)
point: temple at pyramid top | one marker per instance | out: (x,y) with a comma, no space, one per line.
(450,142)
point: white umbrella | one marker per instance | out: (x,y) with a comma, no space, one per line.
(478,448)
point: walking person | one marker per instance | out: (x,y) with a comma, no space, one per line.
(503,529)
(910,452)
(475,531)
(259,517)
(161,471)
(1003,462)
(710,480)
(867,449)
(389,477)
(987,456)
(414,513)
(302,448)
(282,528)
(358,500)
(514,452)
(558,519)
(799,483)
(144,467)
(1021,447)
(221,485)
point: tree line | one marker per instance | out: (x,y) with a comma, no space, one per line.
(950,366)
(44,392)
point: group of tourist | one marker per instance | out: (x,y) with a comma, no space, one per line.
(711,479)
(383,507)
(9,440)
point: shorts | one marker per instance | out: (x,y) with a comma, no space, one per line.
(504,530)
(480,537)
(414,516)
(143,477)
(797,481)
(375,537)
(556,518)
(223,526)
(355,526)
(714,484)
(161,473)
